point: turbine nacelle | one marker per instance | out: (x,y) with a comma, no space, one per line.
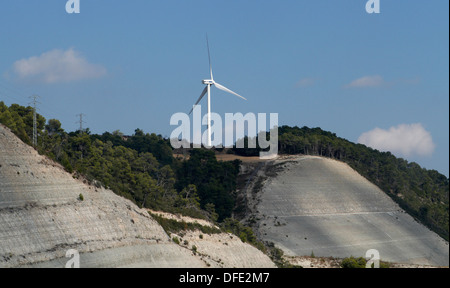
(208,82)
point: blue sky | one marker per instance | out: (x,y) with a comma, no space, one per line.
(318,63)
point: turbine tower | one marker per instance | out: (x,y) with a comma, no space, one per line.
(209,83)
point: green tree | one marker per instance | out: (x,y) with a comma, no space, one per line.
(54,127)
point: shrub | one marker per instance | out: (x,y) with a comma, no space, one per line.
(360,262)
(173,226)
(353,262)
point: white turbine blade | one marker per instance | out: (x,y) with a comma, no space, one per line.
(221,87)
(199,99)
(209,58)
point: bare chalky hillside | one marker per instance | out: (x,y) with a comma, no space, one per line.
(322,207)
(42,216)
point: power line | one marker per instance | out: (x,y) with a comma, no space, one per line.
(81,122)
(34,102)
(81,131)
(18,94)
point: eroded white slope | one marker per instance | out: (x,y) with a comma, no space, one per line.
(322,206)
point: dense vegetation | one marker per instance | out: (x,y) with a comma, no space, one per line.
(422,193)
(216,181)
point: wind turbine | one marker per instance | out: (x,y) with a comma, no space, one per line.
(209,83)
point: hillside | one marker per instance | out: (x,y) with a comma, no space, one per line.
(42,216)
(313,205)
(422,193)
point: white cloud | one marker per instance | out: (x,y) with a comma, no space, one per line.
(57,66)
(406,139)
(367,81)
